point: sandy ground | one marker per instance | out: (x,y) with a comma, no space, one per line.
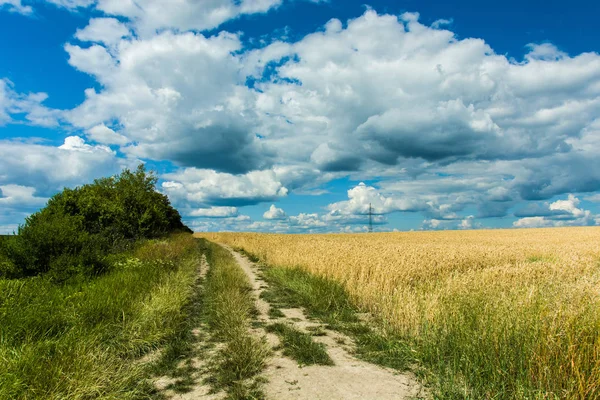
(350,378)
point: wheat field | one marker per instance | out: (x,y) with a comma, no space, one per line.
(497,313)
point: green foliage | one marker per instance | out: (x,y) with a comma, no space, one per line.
(84,340)
(79,227)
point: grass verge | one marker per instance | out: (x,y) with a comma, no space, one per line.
(86,339)
(228,312)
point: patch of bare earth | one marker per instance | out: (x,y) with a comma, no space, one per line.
(350,378)
(198,367)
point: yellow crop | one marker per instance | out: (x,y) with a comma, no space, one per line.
(479,293)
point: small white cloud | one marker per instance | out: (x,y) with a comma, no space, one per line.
(214,212)
(307,221)
(17,195)
(72,4)
(544,52)
(104,135)
(569,206)
(362,196)
(30,105)
(274,213)
(533,222)
(103,30)
(595,198)
(16,6)
(441,23)
(75,143)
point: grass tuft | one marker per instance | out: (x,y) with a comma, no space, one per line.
(300,346)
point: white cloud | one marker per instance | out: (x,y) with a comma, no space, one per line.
(150,16)
(563,213)
(108,31)
(375,95)
(544,51)
(386,90)
(274,213)
(441,23)
(214,212)
(439,224)
(104,135)
(20,196)
(75,143)
(16,6)
(8,229)
(361,196)
(71,4)
(194,187)
(177,96)
(307,221)
(595,198)
(49,168)
(153,15)
(29,106)
(569,206)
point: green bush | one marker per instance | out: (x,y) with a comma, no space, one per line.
(80,227)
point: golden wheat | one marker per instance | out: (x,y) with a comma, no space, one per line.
(536,288)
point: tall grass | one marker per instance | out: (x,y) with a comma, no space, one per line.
(510,314)
(229,310)
(84,339)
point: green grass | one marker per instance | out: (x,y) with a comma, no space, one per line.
(300,346)
(85,339)
(228,312)
(275,313)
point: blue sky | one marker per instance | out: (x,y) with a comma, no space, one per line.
(295,115)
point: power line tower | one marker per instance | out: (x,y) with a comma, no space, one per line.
(370,218)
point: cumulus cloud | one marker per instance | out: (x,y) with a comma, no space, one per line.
(429,95)
(178,97)
(362,196)
(49,168)
(444,126)
(104,135)
(195,187)
(559,213)
(377,93)
(22,196)
(274,213)
(307,221)
(108,31)
(214,212)
(150,16)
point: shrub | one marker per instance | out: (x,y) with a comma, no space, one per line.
(79,227)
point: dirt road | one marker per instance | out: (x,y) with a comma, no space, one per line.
(350,378)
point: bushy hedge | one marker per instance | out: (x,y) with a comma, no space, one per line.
(79,228)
